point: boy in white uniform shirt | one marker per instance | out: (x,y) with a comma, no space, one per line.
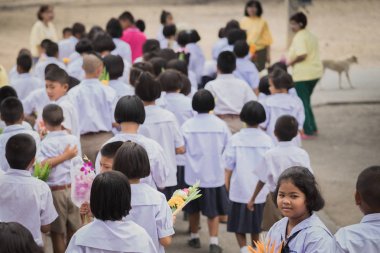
(115,68)
(365,236)
(230,93)
(162,126)
(67,46)
(25,82)
(51,57)
(286,154)
(12,114)
(25,199)
(74,68)
(95,104)
(206,137)
(59,181)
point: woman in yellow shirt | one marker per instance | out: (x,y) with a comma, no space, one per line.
(259,37)
(307,67)
(42,29)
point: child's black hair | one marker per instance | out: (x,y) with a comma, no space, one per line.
(109,150)
(280,65)
(203,101)
(94,32)
(221,33)
(232,24)
(147,88)
(236,35)
(241,48)
(281,79)
(164,15)
(126,15)
(299,18)
(140,24)
(51,49)
(194,36)
(226,62)
(6,92)
(44,43)
(73,82)
(169,30)
(159,65)
(256,4)
(305,181)
(11,110)
(79,30)
(103,42)
(15,238)
(130,109)
(151,45)
(24,62)
(179,65)
(57,75)
(253,113)
(84,46)
(170,80)
(186,85)
(114,28)
(368,186)
(20,150)
(110,197)
(286,128)
(132,160)
(167,53)
(114,65)
(183,38)
(264,85)
(51,67)
(137,69)
(52,115)
(67,30)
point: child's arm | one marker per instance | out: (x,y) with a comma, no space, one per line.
(166,241)
(69,153)
(228,174)
(45,228)
(251,203)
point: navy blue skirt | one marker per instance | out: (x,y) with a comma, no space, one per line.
(243,221)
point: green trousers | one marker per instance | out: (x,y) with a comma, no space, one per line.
(304,91)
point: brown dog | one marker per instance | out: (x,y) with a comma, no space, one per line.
(341,66)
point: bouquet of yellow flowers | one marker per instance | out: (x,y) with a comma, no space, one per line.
(182,197)
(262,248)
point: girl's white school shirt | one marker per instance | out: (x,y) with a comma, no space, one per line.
(285,155)
(197,60)
(314,237)
(218,47)
(206,137)
(362,237)
(151,211)
(121,88)
(280,104)
(25,83)
(26,200)
(161,125)
(67,47)
(247,71)
(123,49)
(159,170)
(39,69)
(243,155)
(111,237)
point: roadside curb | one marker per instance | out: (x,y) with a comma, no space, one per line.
(336,103)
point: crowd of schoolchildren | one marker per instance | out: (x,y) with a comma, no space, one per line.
(162,119)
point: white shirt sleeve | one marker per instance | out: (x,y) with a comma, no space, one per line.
(159,168)
(229,156)
(48,212)
(164,220)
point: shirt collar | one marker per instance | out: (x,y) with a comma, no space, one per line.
(90,80)
(370,217)
(16,172)
(285,144)
(225,76)
(13,128)
(56,133)
(24,75)
(250,129)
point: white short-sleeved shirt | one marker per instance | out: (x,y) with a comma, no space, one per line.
(53,145)
(95,104)
(285,155)
(70,115)
(10,131)
(161,125)
(24,124)
(247,71)
(230,94)
(206,137)
(121,88)
(35,102)
(123,49)
(99,236)
(277,105)
(197,60)
(151,211)
(67,47)
(13,74)
(314,237)
(75,69)
(160,33)
(218,47)
(39,69)
(362,237)
(159,170)
(26,200)
(25,83)
(243,155)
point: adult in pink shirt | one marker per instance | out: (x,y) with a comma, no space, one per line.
(131,34)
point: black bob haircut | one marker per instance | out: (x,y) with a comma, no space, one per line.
(203,101)
(264,85)
(84,46)
(151,45)
(130,109)
(170,80)
(236,35)
(114,65)
(299,18)
(232,24)
(226,62)
(52,115)
(169,30)
(51,49)
(368,187)
(24,62)
(132,160)
(94,31)
(109,150)
(6,92)
(11,110)
(140,24)
(167,53)
(103,42)
(281,79)
(147,88)
(183,38)
(253,113)
(110,197)
(194,36)
(57,75)
(179,65)
(305,181)
(159,65)
(186,85)
(20,150)
(126,15)
(286,128)
(256,4)
(241,48)
(114,28)
(164,16)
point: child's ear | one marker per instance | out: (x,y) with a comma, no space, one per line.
(358,198)
(31,163)
(66,86)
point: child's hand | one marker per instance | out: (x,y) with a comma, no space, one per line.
(70,152)
(84,208)
(174,219)
(250,205)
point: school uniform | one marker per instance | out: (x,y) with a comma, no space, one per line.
(166,43)
(197,60)
(95,104)
(59,181)
(151,211)
(25,124)
(121,88)
(309,236)
(75,69)
(25,83)
(280,104)
(67,47)
(362,237)
(230,95)
(123,49)
(261,97)
(13,74)
(160,33)
(218,47)
(35,102)
(111,237)
(161,125)
(159,170)
(39,69)
(206,137)
(247,71)
(243,154)
(70,115)
(26,200)
(7,133)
